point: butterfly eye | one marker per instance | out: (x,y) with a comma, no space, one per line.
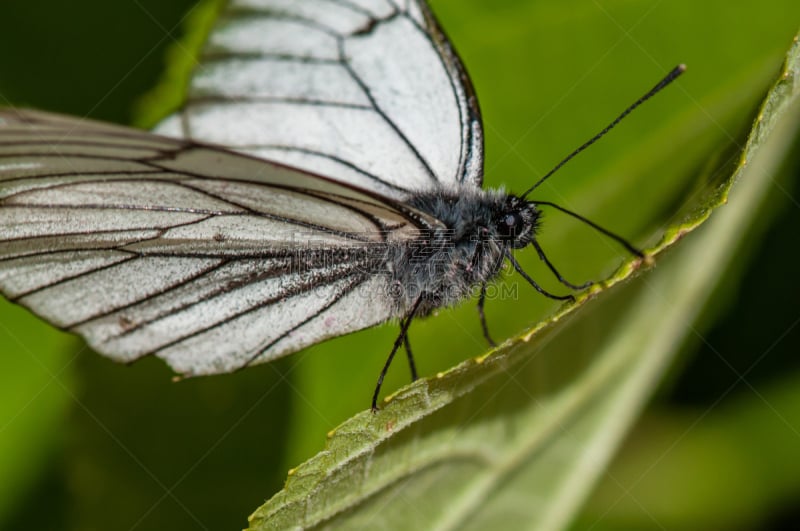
(509,225)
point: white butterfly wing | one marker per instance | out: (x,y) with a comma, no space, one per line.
(367,92)
(208,259)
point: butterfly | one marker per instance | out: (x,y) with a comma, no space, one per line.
(324,176)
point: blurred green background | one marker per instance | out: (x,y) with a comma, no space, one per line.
(89,444)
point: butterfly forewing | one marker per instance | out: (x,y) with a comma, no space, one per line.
(366,92)
(206,258)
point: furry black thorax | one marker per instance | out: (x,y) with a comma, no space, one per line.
(446,265)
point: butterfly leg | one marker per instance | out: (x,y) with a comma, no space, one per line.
(404,324)
(482,314)
(555,271)
(411,365)
(533,283)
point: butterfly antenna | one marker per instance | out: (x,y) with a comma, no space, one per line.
(669,78)
(622,241)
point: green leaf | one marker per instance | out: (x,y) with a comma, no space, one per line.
(697,462)
(517,437)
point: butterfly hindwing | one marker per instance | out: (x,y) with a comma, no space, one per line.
(209,259)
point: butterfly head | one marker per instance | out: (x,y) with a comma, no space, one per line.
(516,222)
